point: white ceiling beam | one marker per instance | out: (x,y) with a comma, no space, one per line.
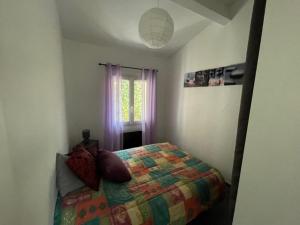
(211,9)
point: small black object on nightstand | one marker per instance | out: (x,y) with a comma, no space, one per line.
(86,136)
(87,142)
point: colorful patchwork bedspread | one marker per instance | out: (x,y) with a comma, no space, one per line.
(168,186)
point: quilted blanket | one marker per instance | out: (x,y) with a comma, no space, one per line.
(168,186)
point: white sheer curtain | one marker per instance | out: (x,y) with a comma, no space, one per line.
(113,126)
(149,105)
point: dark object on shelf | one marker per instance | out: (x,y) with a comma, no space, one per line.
(91,145)
(86,136)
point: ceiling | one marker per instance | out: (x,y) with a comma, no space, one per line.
(115,22)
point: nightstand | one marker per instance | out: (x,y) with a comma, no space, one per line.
(91,145)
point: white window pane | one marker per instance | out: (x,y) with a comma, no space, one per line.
(125,100)
(138,100)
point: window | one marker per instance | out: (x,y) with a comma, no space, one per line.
(131,94)
(137,106)
(125,95)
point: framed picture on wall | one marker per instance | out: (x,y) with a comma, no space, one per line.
(202,78)
(189,80)
(234,74)
(229,75)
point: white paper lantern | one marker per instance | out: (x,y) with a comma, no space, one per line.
(156,28)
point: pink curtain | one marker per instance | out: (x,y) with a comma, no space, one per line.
(113,126)
(149,105)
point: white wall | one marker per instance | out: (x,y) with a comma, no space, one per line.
(204,120)
(269,191)
(84,81)
(8,195)
(33,108)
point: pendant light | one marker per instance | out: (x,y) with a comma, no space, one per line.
(156,27)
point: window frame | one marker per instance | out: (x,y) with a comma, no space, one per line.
(131,125)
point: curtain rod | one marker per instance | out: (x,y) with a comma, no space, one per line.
(125,67)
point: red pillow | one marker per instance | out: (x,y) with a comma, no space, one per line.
(111,167)
(83,164)
(93,150)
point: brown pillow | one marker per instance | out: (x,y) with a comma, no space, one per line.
(111,167)
(83,164)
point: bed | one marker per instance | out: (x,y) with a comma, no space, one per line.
(168,186)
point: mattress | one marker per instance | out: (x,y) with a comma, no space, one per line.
(168,186)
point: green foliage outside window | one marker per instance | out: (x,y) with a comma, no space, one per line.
(128,89)
(137,100)
(125,100)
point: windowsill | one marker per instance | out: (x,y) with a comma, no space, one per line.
(132,127)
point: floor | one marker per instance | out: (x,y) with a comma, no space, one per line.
(216,215)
